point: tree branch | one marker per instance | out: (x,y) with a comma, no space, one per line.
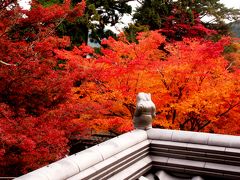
(229,66)
(203,126)
(229,109)
(7,64)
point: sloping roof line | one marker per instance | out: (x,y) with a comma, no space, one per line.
(132,154)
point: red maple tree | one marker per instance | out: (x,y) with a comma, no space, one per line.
(35,86)
(40,110)
(182,24)
(189,80)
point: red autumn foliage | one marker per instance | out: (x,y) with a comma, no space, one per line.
(36,111)
(184,24)
(190,83)
(40,110)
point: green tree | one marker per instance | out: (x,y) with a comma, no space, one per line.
(98,14)
(185,17)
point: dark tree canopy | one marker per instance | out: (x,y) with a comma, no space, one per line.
(98,14)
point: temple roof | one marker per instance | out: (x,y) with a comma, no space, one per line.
(155,153)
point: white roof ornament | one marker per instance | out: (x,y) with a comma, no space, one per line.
(145,111)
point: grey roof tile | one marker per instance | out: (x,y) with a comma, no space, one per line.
(118,144)
(36,175)
(106,164)
(109,148)
(133,149)
(130,139)
(56,171)
(115,162)
(184,162)
(205,148)
(133,169)
(126,140)
(124,154)
(127,156)
(199,138)
(224,140)
(159,134)
(84,174)
(89,156)
(138,135)
(182,136)
(160,159)
(194,137)
(222,167)
(155,143)
(233,150)
(169,168)
(65,166)
(219,140)
(235,142)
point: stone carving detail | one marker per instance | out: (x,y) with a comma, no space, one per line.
(145,111)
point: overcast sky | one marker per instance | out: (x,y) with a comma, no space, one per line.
(231,3)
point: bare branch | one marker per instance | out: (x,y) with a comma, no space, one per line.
(7,64)
(229,66)
(140,2)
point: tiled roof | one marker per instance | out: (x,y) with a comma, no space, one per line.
(134,154)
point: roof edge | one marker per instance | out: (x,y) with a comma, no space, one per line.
(229,141)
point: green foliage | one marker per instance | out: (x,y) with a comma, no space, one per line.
(98,14)
(47,3)
(155,14)
(152,13)
(133,29)
(235,28)
(77,30)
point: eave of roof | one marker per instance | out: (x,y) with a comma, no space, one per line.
(132,154)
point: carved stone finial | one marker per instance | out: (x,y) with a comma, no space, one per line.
(145,111)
